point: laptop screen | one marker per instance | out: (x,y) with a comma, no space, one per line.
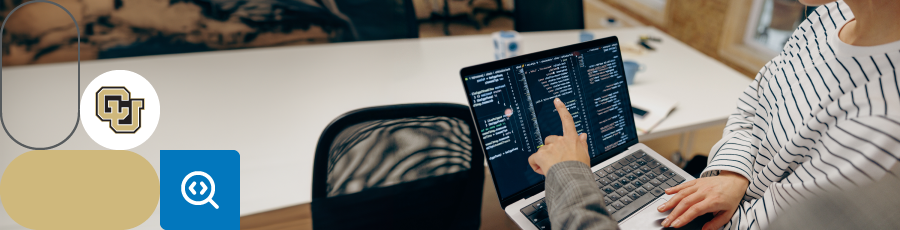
(513,106)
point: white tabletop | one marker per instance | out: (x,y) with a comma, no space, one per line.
(212,100)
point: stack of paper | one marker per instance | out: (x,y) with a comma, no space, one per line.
(649,110)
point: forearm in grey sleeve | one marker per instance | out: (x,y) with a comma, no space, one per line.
(574,198)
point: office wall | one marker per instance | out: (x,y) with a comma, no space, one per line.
(700,24)
(697,23)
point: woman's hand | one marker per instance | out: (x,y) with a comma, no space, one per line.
(719,195)
(569,147)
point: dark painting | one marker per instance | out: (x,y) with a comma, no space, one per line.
(44,33)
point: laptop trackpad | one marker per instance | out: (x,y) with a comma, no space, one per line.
(648,218)
(651,219)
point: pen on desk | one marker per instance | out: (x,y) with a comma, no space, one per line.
(645,45)
(645,38)
(649,38)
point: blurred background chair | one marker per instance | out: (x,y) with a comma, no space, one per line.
(376,19)
(494,13)
(543,15)
(463,18)
(411,166)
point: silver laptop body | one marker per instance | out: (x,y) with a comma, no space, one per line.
(638,213)
(511,103)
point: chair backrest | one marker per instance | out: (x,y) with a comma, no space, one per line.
(380,19)
(413,166)
(543,15)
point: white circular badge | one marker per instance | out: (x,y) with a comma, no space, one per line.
(120,110)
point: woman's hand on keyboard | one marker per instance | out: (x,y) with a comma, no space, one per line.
(569,147)
(719,195)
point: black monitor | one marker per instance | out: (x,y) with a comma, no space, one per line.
(512,105)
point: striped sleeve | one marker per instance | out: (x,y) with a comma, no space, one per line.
(868,145)
(863,149)
(733,151)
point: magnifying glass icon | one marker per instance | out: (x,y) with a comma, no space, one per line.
(212,186)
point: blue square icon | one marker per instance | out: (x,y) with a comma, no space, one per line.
(200,189)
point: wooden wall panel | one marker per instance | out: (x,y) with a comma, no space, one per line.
(698,23)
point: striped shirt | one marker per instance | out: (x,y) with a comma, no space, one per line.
(821,116)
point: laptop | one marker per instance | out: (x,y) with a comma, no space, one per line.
(511,101)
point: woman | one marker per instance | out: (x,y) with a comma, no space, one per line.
(822,116)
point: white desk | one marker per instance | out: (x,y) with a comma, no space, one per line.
(211,100)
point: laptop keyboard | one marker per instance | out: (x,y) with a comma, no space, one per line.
(630,183)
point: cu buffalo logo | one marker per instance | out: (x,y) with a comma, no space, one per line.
(115,105)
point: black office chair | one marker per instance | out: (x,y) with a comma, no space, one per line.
(543,15)
(413,166)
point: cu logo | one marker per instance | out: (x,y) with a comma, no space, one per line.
(115,105)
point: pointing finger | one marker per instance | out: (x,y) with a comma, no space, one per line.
(568,123)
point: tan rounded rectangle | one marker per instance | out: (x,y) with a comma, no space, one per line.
(79,189)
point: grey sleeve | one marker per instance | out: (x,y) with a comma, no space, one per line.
(574,198)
